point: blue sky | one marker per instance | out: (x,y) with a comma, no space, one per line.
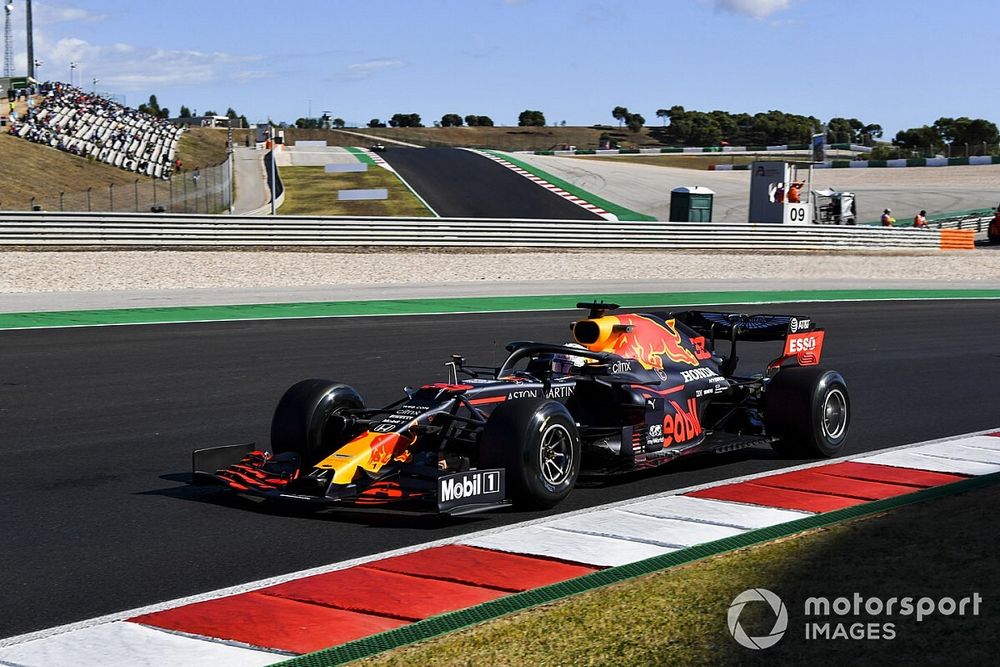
(895,62)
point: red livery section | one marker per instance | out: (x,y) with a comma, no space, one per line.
(324,610)
(827,488)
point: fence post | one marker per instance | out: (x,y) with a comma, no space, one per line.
(111,197)
(88,199)
(184,180)
(136,188)
(61,195)
(31,204)
(154,190)
(170,198)
(206,190)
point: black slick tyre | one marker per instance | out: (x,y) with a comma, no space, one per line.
(809,409)
(537,442)
(310,422)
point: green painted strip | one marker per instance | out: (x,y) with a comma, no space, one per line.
(439,625)
(457,305)
(361,155)
(620,211)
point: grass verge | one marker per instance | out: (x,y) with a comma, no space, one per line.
(202,147)
(944,548)
(32,170)
(312,191)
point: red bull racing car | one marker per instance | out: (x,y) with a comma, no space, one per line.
(633,391)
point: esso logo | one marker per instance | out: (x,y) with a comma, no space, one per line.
(804,344)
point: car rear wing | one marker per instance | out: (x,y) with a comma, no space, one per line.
(740,326)
(802,338)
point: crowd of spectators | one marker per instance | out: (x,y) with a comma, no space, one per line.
(77,122)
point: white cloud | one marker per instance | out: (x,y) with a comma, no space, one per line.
(43,14)
(122,67)
(369,67)
(757,9)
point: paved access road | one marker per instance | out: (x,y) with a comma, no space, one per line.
(461,184)
(98,425)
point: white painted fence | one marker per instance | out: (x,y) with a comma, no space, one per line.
(164,230)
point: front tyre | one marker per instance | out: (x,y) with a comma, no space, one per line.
(311,420)
(537,442)
(809,409)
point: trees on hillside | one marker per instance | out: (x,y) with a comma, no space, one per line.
(405,120)
(948,131)
(375,122)
(700,128)
(531,118)
(152,107)
(634,121)
(852,131)
(663,114)
(473,120)
(339,123)
(451,120)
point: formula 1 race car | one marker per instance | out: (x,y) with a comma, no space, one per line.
(633,391)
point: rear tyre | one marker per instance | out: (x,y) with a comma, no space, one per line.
(809,409)
(310,420)
(537,442)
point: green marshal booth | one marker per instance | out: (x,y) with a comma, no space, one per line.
(691,204)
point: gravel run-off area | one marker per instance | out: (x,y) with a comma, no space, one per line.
(42,271)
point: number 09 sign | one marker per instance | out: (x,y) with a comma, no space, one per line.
(797,214)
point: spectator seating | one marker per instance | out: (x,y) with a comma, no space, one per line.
(87,125)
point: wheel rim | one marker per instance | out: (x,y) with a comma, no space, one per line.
(834,414)
(555,455)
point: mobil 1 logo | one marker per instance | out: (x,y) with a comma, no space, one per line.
(474,487)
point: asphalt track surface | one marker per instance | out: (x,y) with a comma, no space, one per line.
(460,184)
(98,425)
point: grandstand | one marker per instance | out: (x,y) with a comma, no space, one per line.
(71,120)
